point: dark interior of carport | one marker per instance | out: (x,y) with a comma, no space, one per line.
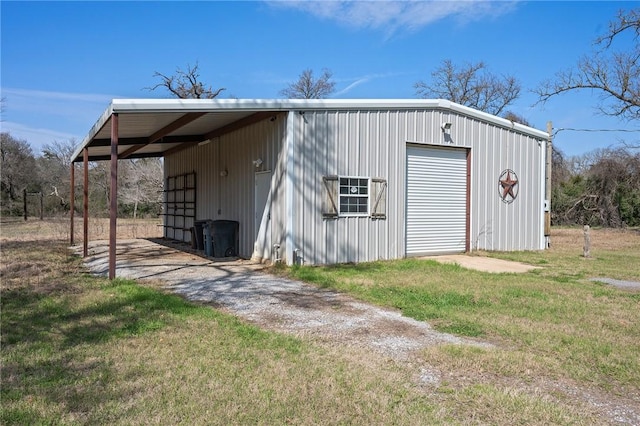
(136,132)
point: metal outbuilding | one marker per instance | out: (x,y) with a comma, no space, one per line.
(335,181)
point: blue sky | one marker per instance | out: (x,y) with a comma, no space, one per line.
(62,62)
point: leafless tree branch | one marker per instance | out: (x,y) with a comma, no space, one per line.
(185,84)
(615,76)
(471,85)
(308,87)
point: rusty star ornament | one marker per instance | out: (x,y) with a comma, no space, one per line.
(507,187)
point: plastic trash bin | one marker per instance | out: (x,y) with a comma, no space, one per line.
(207,232)
(225,238)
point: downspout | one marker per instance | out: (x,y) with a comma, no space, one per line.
(547,185)
(289,190)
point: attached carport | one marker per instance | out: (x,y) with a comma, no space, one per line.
(144,128)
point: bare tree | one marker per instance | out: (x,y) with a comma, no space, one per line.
(143,184)
(614,75)
(185,84)
(53,167)
(472,85)
(512,116)
(17,165)
(307,87)
(599,188)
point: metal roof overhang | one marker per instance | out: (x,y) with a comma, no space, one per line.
(158,127)
(155,128)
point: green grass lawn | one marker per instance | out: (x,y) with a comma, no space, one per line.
(82,350)
(551,322)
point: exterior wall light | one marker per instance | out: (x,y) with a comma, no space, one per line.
(446,126)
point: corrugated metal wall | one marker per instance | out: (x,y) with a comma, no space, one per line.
(368,143)
(373,144)
(496,225)
(231,197)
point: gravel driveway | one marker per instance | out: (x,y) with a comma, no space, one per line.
(243,289)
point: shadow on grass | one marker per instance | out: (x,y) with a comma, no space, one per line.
(58,327)
(53,323)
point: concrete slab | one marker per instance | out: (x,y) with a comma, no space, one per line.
(484,264)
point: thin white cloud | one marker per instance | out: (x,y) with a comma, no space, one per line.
(403,15)
(353,85)
(55,96)
(358,81)
(43,117)
(37,137)
(52,103)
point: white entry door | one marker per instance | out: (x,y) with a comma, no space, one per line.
(262,190)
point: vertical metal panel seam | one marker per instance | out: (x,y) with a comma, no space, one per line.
(289,193)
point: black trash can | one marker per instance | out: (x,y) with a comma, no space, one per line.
(199,227)
(208,238)
(225,237)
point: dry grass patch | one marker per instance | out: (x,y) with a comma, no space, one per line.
(90,351)
(58,229)
(615,253)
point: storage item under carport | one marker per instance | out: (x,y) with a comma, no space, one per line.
(199,228)
(194,240)
(208,241)
(225,238)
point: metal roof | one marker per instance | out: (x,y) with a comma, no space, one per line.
(157,127)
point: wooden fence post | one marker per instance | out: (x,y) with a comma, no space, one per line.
(587,242)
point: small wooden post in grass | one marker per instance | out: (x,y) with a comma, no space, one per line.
(24,203)
(587,242)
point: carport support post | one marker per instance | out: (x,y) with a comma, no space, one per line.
(113,194)
(72,196)
(85,204)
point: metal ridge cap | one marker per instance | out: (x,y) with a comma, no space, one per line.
(213,105)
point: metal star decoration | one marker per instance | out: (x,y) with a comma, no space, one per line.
(508,181)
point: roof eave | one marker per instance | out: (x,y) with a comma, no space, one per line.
(104,118)
(221,105)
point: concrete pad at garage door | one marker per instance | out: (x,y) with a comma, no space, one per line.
(484,264)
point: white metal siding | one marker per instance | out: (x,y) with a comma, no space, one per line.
(496,225)
(231,197)
(347,143)
(373,143)
(436,200)
(301,148)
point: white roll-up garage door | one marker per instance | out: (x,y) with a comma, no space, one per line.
(436,200)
